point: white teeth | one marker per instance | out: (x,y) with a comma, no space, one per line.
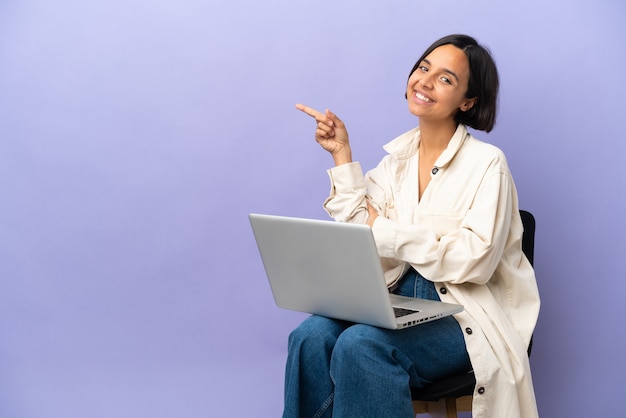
(424,98)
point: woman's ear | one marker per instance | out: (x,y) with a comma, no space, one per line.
(468,104)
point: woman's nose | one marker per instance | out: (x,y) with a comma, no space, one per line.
(426,81)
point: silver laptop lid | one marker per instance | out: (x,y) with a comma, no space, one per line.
(324,267)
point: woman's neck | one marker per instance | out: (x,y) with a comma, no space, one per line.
(435,136)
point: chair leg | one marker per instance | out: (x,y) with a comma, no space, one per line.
(451,408)
(438,409)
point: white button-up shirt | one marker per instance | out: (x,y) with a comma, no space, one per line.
(465,235)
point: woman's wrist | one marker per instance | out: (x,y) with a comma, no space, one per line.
(343,157)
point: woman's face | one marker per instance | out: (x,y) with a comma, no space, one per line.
(436,89)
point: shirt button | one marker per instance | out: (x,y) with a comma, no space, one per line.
(468,330)
(435,170)
(443,290)
(481,390)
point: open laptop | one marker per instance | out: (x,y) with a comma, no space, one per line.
(333,269)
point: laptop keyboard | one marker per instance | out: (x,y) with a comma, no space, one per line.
(400,312)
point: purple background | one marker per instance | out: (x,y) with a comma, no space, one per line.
(136,136)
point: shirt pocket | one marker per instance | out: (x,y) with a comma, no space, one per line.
(406,215)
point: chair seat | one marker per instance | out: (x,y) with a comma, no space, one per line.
(450,387)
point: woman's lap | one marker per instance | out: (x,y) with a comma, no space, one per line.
(435,349)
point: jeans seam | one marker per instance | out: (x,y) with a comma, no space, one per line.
(324,406)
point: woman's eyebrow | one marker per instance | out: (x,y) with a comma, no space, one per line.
(445,70)
(452,73)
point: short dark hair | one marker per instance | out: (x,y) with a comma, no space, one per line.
(483,81)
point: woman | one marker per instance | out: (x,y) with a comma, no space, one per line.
(443,209)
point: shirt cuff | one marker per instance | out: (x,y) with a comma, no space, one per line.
(385,236)
(346,177)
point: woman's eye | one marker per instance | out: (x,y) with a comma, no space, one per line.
(446,80)
(423,68)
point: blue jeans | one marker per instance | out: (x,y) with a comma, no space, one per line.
(341,369)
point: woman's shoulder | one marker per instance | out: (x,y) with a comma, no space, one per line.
(483,150)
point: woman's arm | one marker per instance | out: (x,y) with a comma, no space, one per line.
(468,249)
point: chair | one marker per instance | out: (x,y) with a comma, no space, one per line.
(454,393)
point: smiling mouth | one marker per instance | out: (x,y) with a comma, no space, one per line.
(423,98)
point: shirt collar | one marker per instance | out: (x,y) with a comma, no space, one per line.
(406,145)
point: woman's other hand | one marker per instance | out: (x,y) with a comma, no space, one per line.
(372,215)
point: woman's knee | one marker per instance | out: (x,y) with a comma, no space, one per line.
(315,331)
(366,352)
(357,342)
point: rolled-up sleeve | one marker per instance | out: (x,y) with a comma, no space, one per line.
(346,201)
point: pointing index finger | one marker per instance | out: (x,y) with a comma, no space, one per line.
(309,111)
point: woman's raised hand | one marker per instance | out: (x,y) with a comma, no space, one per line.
(331,134)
